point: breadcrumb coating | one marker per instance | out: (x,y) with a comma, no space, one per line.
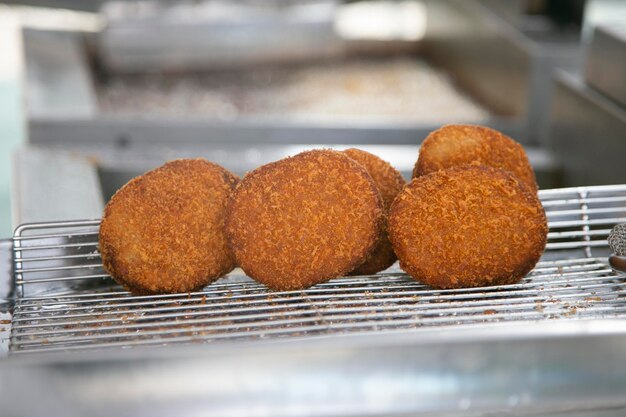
(467,227)
(163,232)
(457,145)
(389,182)
(305,219)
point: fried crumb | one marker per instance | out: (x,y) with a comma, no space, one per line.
(163,232)
(304,220)
(389,182)
(458,145)
(467,227)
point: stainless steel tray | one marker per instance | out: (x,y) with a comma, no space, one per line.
(65,301)
(553,344)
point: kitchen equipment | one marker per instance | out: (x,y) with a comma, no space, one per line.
(478,339)
(65,301)
(588,113)
(534,346)
(56,122)
(606,62)
(75,104)
(173,36)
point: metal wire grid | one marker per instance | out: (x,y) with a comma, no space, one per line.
(65,301)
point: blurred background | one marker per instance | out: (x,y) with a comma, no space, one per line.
(93,93)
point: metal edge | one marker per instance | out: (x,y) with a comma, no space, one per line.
(50,225)
(548,367)
(503,332)
(123,132)
(575,83)
(17,255)
(590,188)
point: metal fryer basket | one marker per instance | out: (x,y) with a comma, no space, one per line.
(65,301)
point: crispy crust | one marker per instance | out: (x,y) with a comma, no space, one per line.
(163,232)
(389,183)
(456,145)
(467,227)
(304,220)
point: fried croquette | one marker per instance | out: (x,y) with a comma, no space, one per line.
(389,183)
(468,226)
(305,219)
(163,232)
(456,145)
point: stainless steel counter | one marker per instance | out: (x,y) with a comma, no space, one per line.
(550,369)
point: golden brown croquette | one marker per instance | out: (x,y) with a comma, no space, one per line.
(456,145)
(468,226)
(163,232)
(304,220)
(389,183)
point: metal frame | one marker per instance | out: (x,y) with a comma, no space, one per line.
(57,264)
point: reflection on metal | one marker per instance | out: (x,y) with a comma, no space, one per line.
(503,58)
(55,185)
(485,54)
(59,82)
(159,36)
(606,62)
(588,133)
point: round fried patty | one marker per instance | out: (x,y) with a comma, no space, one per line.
(163,232)
(389,183)
(304,220)
(466,227)
(456,145)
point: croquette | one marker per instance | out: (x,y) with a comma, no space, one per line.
(467,226)
(305,219)
(456,145)
(389,183)
(163,232)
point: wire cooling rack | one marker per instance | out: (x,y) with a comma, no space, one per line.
(65,301)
